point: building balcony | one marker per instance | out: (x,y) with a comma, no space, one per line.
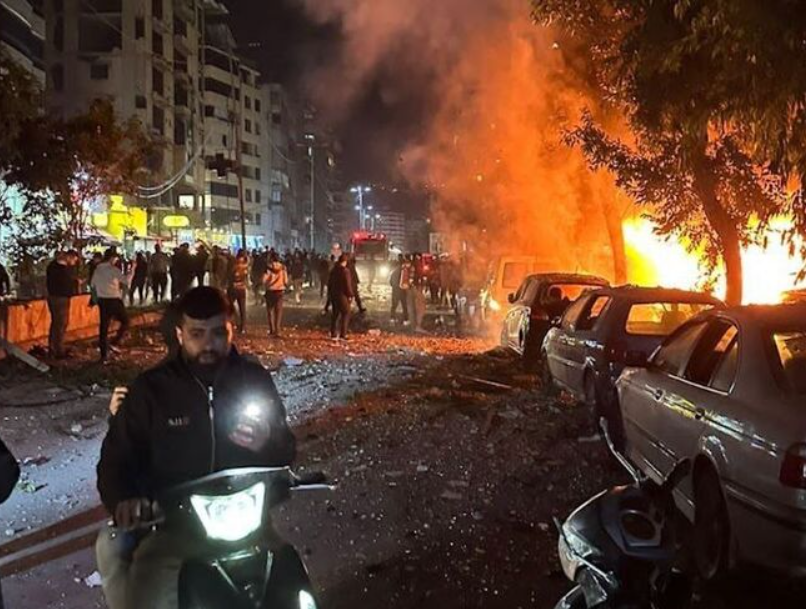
(186,10)
(160,99)
(182,109)
(181,43)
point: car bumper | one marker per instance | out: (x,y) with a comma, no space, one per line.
(770,536)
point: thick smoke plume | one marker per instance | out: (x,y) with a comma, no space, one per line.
(505,89)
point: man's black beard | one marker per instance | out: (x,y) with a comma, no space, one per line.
(206,373)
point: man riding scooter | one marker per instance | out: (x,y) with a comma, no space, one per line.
(205,410)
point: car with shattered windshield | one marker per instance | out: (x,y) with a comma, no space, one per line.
(607,329)
(727,390)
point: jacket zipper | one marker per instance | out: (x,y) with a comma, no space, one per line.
(210,397)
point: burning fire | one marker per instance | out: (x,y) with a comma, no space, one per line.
(768,271)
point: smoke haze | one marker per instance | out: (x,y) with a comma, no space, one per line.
(500,91)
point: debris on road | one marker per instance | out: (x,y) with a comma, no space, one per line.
(93,580)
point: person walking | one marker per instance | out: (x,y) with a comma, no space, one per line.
(62,285)
(184,271)
(341,293)
(217,269)
(158,270)
(238,285)
(406,283)
(398,297)
(109,284)
(356,282)
(297,275)
(275,282)
(323,270)
(260,264)
(199,264)
(139,277)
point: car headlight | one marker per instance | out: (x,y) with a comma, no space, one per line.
(494,305)
(231,517)
(306,600)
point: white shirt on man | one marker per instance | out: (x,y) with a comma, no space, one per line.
(108,281)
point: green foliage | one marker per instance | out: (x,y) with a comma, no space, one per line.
(714,95)
(60,167)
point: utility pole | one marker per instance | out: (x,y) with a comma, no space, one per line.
(239,169)
(313,193)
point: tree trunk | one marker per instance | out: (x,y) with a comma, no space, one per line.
(615,230)
(723,225)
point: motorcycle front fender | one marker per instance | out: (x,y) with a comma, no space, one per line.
(204,585)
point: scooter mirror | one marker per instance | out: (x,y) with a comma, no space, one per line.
(634,473)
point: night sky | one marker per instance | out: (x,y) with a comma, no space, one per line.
(288,46)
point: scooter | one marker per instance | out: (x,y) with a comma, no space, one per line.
(242,563)
(621,547)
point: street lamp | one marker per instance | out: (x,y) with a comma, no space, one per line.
(361,190)
(311,139)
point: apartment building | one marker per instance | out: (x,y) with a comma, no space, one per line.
(22,35)
(144,56)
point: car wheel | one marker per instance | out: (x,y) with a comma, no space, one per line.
(546,379)
(531,353)
(711,542)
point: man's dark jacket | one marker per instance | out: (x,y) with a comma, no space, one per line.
(340,284)
(162,434)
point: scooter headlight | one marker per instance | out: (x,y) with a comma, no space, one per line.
(306,600)
(231,517)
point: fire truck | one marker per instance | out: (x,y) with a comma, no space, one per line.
(371,252)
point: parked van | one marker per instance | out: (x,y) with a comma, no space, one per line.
(504,276)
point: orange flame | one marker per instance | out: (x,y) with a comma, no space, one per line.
(769,270)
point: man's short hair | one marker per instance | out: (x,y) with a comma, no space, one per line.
(204,302)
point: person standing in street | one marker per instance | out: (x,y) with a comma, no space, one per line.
(323,270)
(109,284)
(297,275)
(398,297)
(158,270)
(341,292)
(356,282)
(218,269)
(184,271)
(199,263)
(260,263)
(139,278)
(276,282)
(406,283)
(238,285)
(62,285)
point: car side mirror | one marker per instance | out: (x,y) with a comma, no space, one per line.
(636,359)
(511,298)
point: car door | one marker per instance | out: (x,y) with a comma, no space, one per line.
(556,344)
(512,320)
(582,343)
(641,395)
(700,393)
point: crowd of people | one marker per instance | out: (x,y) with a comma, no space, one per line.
(155,277)
(263,276)
(418,279)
